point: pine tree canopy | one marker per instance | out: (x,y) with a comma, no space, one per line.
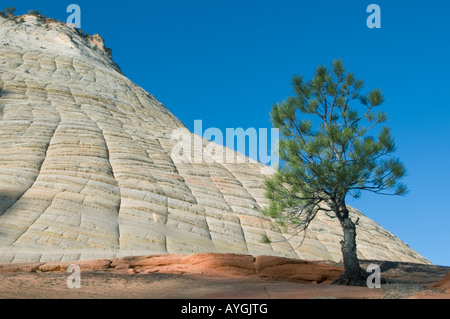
(327,146)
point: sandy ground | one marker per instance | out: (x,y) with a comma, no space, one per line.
(169,282)
(102,284)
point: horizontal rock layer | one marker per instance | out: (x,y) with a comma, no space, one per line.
(87,169)
(207,264)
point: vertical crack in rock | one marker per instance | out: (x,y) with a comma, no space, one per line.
(8,219)
(222,184)
(2,93)
(253,185)
(244,208)
(199,223)
(110,168)
(146,185)
(37,126)
(192,229)
(223,226)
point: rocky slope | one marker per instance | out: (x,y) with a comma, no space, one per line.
(87,172)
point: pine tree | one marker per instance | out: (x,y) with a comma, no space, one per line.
(329,155)
(8,12)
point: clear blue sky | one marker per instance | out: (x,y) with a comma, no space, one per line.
(227,63)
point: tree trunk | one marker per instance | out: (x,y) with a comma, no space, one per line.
(354,275)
